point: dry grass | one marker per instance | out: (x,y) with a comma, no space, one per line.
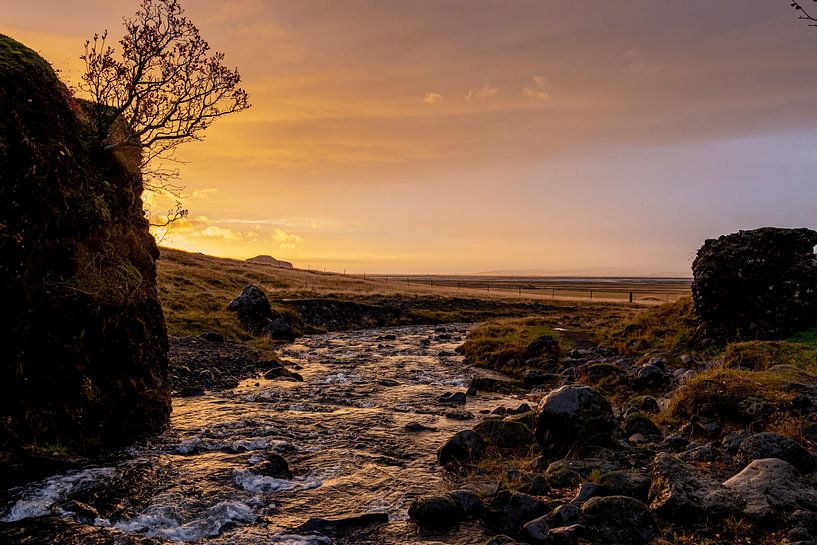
(195,290)
(668,327)
(761,355)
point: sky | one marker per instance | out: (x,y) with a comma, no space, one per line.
(466,136)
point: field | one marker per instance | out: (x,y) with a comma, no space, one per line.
(195,290)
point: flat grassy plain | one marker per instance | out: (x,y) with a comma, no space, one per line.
(196,288)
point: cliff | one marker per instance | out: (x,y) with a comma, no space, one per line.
(83,345)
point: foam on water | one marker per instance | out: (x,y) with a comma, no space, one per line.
(41,497)
(163,520)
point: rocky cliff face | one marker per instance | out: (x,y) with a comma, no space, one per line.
(83,345)
(759,284)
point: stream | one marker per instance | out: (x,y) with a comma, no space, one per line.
(342,430)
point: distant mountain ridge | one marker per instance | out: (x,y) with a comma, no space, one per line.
(269,260)
(606,272)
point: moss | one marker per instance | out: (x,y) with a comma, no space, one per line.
(762,355)
(501,344)
(669,327)
(718,393)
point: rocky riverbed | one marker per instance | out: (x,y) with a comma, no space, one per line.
(335,458)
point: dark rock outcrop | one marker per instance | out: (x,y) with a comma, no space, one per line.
(253,310)
(758,284)
(83,344)
(618,519)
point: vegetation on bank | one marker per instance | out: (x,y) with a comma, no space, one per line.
(668,327)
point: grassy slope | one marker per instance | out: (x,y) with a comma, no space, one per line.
(195,290)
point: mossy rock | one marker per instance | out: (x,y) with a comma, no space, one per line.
(505,435)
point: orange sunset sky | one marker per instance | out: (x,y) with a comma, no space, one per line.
(441,136)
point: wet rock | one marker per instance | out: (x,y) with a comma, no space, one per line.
(572,414)
(436,512)
(618,519)
(488,384)
(82,512)
(283,373)
(508,511)
(278,330)
(681,494)
(387,382)
(774,445)
(505,435)
(274,465)
(458,414)
(502,540)
(462,449)
(452,398)
(634,484)
(772,487)
(212,337)
(342,523)
(225,363)
(417,427)
(757,284)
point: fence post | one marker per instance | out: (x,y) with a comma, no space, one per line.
(520,291)
(554,293)
(631,297)
(591,295)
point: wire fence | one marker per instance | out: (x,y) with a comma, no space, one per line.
(636,291)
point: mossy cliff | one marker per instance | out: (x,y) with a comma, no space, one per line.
(83,345)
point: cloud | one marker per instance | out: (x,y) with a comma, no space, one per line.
(198,227)
(202,194)
(286,241)
(432,99)
(481,93)
(540,88)
(637,62)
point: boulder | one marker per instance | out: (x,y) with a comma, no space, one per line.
(773,445)
(252,308)
(625,483)
(536,530)
(275,466)
(680,494)
(758,284)
(505,435)
(83,344)
(508,511)
(436,512)
(461,450)
(572,415)
(772,489)
(618,519)
(544,348)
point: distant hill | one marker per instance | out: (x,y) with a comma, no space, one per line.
(269,260)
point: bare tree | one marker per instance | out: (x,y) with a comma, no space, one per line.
(804,14)
(163,89)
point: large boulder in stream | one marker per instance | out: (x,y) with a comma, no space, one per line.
(254,311)
(83,344)
(758,284)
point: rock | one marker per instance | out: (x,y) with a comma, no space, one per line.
(387,382)
(452,398)
(278,330)
(83,344)
(757,284)
(469,501)
(274,465)
(283,373)
(732,441)
(563,478)
(545,347)
(652,376)
(508,511)
(572,415)
(341,523)
(252,309)
(564,515)
(646,404)
(566,535)
(586,491)
(83,513)
(436,512)
(809,432)
(641,423)
(212,337)
(681,494)
(502,540)
(269,260)
(772,488)
(417,427)
(625,483)
(537,530)
(618,519)
(701,453)
(534,377)
(458,414)
(462,449)
(774,445)
(505,435)
(488,384)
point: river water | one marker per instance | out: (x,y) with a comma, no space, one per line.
(342,430)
